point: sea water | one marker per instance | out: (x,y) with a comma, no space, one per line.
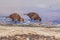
(4,20)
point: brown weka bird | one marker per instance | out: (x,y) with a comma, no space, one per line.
(33,16)
(15,17)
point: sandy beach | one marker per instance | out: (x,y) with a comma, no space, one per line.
(5,31)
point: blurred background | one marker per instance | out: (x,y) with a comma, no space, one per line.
(48,10)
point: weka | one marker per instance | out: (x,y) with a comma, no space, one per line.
(33,16)
(15,17)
